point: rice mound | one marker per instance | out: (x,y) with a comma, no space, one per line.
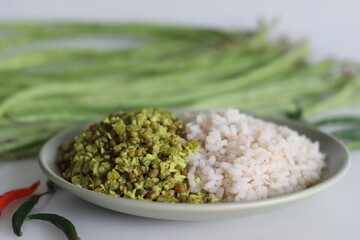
(242,158)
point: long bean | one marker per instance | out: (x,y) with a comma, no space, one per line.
(45,90)
(283,88)
(353,145)
(349,134)
(204,73)
(282,64)
(148,84)
(22,152)
(354,120)
(25,141)
(24,33)
(158,50)
(346,95)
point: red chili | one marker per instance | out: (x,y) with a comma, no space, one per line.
(8,197)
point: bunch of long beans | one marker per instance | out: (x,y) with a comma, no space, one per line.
(44,90)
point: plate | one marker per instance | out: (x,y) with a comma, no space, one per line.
(338,163)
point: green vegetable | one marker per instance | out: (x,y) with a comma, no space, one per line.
(22,212)
(44,90)
(348,134)
(339,120)
(351,136)
(138,155)
(353,144)
(346,95)
(20,215)
(60,222)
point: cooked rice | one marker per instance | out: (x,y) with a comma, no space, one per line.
(243,158)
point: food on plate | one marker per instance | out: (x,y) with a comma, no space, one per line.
(199,157)
(245,158)
(137,155)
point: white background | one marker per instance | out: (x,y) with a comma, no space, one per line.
(332,28)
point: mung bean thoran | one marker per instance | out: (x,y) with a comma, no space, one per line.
(138,155)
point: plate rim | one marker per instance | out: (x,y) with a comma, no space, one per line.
(193,207)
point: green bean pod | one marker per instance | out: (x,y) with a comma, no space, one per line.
(338,120)
(353,145)
(349,134)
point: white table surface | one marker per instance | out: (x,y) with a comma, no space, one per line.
(331,214)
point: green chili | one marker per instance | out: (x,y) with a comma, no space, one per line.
(20,215)
(60,222)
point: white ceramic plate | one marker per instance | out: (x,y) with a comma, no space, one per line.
(338,163)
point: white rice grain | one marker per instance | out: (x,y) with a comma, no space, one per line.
(242,158)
